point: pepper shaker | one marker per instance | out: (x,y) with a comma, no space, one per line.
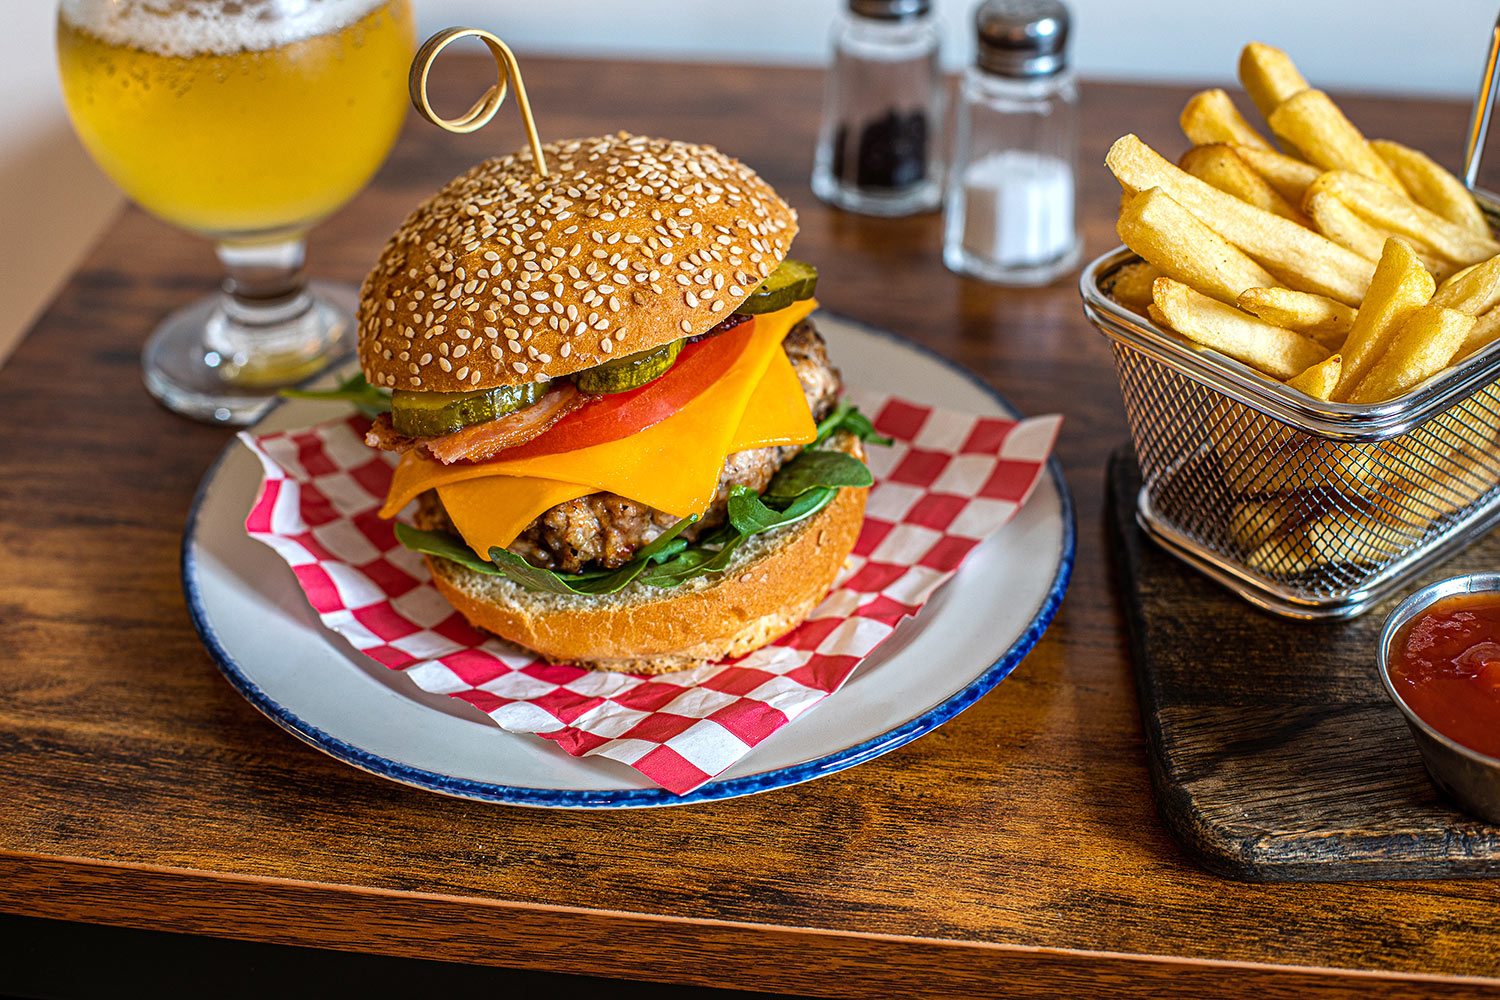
(1009,207)
(879,148)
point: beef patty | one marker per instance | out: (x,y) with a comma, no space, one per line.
(605,529)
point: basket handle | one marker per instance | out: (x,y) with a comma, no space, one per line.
(1484,105)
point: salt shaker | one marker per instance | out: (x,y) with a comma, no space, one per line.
(1009,205)
(879,150)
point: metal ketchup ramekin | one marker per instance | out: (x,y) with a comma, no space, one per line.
(1471,779)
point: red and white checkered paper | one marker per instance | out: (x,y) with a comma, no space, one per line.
(949,481)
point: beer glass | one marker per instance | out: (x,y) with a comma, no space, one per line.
(245,121)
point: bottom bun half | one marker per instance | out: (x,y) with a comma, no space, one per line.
(772,584)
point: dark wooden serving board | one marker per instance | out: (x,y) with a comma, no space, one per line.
(1275,753)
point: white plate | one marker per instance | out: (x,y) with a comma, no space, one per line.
(255,621)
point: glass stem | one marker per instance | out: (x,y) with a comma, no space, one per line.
(264,283)
(258,336)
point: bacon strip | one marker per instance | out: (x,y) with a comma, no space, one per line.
(482,441)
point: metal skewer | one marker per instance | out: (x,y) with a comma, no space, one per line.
(480,113)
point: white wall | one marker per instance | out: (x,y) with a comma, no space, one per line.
(54,203)
(1375,45)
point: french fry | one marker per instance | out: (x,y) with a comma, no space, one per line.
(1319,379)
(1297,256)
(1270,349)
(1428,489)
(1486,330)
(1222,167)
(1170,237)
(1425,344)
(1368,469)
(1336,537)
(1314,124)
(1399,288)
(1289,176)
(1384,208)
(1317,316)
(1250,449)
(1131,285)
(1431,186)
(1269,76)
(1255,522)
(1474,290)
(1210,116)
(1339,223)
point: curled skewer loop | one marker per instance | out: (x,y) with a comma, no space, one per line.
(480,113)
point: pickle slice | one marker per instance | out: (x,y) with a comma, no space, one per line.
(629,372)
(792,281)
(432,414)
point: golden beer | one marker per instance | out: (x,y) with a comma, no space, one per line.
(261,135)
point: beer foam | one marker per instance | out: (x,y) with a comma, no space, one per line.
(217,27)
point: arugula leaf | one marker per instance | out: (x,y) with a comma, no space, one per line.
(503,562)
(750,515)
(439,543)
(371,401)
(536,578)
(693,562)
(812,469)
(846,417)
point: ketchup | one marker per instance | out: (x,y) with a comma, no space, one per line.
(1445,664)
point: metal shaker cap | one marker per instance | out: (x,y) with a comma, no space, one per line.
(890,10)
(1022,37)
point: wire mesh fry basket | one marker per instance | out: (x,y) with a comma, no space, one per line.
(1305,508)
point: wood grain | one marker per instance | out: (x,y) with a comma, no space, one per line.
(1014,851)
(1293,765)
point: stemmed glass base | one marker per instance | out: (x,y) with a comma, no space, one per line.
(224,359)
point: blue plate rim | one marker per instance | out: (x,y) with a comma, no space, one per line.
(713,790)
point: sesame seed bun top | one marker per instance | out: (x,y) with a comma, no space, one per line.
(505,277)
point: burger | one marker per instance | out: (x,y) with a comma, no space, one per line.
(620,429)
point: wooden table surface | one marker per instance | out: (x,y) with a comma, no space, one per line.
(1013,851)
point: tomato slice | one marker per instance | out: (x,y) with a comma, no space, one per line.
(610,418)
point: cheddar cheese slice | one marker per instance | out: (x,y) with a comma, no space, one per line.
(673,466)
(492,511)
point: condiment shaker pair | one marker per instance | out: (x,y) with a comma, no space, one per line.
(1009,190)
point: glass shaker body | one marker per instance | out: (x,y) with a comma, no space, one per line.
(1009,211)
(880,148)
